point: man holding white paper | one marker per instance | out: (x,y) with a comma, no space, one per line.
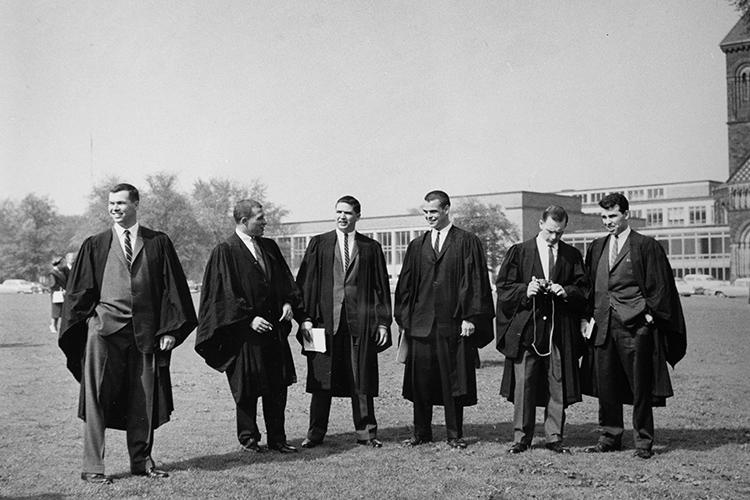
(344,283)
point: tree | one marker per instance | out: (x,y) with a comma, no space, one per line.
(30,237)
(489,223)
(743,6)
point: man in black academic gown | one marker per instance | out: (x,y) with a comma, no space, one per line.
(542,290)
(443,307)
(638,328)
(248,299)
(127,305)
(344,282)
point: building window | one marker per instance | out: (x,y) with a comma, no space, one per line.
(675,247)
(655,193)
(299,244)
(676,216)
(697,215)
(387,243)
(654,217)
(402,241)
(285,245)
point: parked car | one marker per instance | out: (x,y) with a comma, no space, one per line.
(740,288)
(683,287)
(704,283)
(20,286)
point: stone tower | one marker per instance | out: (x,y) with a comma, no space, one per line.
(733,198)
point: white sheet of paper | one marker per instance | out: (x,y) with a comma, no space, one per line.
(589,328)
(318,343)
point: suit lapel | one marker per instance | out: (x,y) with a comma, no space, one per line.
(118,248)
(138,244)
(623,252)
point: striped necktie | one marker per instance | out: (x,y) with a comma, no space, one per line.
(128,249)
(612,251)
(346,251)
(259,254)
(436,248)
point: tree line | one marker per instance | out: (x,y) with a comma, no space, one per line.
(32,232)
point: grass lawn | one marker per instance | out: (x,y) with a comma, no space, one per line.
(702,436)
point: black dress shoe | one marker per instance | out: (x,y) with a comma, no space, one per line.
(558,447)
(457,443)
(95,478)
(253,445)
(152,472)
(602,448)
(415,441)
(283,448)
(374,442)
(517,448)
(310,443)
(643,453)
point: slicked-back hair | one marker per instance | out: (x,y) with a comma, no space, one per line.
(351,200)
(245,208)
(442,196)
(132,191)
(556,213)
(612,199)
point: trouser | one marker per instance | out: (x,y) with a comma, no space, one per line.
(114,366)
(626,358)
(363,414)
(274,405)
(432,377)
(526,371)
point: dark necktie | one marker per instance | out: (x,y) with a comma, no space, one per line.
(437,244)
(128,249)
(612,251)
(259,254)
(550,261)
(346,251)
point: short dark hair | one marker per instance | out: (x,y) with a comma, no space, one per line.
(351,200)
(612,199)
(245,208)
(445,200)
(556,213)
(132,191)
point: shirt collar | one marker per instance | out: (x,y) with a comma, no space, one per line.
(340,234)
(623,236)
(541,242)
(443,232)
(121,230)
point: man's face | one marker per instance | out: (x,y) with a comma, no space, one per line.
(122,209)
(615,221)
(551,230)
(346,218)
(255,224)
(437,217)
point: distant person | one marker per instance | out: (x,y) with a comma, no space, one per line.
(443,307)
(345,286)
(248,299)
(58,279)
(638,328)
(126,307)
(542,289)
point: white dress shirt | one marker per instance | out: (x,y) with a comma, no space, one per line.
(621,239)
(544,248)
(248,241)
(350,241)
(443,234)
(133,236)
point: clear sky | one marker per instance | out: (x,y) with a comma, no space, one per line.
(383,100)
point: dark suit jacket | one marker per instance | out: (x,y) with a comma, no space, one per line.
(370,304)
(460,288)
(162,307)
(235,290)
(515,311)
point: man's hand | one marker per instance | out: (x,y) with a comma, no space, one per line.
(167,342)
(534,288)
(260,325)
(305,328)
(467,328)
(382,336)
(286,313)
(558,290)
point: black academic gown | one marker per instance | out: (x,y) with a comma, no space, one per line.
(315,279)
(166,308)
(464,294)
(515,313)
(656,283)
(235,290)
